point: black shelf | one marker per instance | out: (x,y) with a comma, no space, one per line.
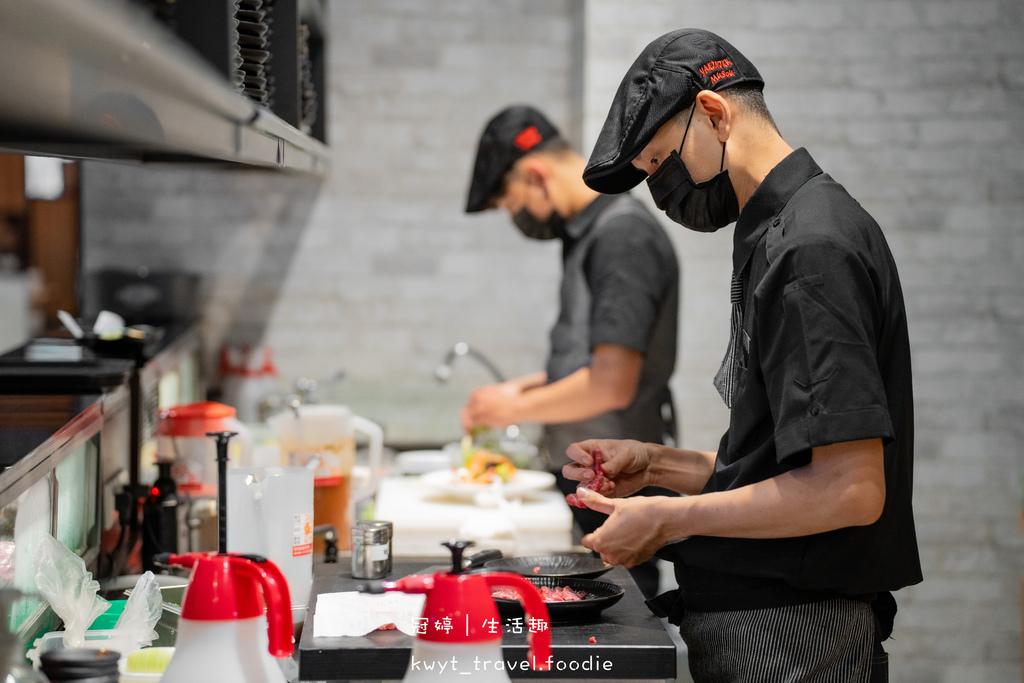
(106,79)
(272,51)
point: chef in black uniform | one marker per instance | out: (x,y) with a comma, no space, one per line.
(800,525)
(613,347)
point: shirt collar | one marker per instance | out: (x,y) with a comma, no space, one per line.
(577,226)
(770,197)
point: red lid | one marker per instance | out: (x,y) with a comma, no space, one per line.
(194,419)
(460,609)
(229,588)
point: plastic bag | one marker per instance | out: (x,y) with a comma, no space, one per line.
(63,580)
(141,612)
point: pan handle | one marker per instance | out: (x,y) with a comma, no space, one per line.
(478,559)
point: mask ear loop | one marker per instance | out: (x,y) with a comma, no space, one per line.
(687,131)
(721,166)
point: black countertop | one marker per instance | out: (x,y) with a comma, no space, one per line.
(92,375)
(629,641)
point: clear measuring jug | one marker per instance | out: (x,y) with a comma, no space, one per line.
(328,432)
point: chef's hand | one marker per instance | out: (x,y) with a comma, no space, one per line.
(624,463)
(492,405)
(632,532)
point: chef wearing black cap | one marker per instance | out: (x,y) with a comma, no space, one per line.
(613,347)
(800,525)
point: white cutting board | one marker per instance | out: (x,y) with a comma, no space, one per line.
(536,523)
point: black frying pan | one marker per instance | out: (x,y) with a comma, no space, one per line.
(575,565)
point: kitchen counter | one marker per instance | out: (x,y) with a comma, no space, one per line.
(629,641)
(533,523)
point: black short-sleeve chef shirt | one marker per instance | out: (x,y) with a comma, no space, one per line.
(824,358)
(620,285)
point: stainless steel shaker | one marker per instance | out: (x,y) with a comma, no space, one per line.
(371,550)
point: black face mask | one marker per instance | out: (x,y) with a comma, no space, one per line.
(704,207)
(549,229)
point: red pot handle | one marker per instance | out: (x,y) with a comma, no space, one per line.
(536,612)
(278,601)
(203,599)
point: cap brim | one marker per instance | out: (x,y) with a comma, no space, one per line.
(614,180)
(477,201)
(487,175)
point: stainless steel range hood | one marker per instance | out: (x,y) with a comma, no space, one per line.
(102,79)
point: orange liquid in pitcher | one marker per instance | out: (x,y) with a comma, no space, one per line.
(332,483)
(330,506)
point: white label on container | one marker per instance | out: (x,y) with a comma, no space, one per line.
(302,534)
(378,553)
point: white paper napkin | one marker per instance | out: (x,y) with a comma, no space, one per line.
(356,614)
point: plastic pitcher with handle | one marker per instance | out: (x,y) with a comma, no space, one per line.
(328,432)
(270,513)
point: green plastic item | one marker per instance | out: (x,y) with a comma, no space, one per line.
(108,619)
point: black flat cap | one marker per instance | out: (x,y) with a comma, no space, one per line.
(508,136)
(664,80)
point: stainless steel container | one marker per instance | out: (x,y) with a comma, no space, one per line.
(391,535)
(371,550)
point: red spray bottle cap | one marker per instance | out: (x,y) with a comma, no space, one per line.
(229,587)
(460,608)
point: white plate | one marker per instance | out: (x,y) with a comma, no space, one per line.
(525,481)
(418,462)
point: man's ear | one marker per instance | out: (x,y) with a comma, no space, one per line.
(534,170)
(718,111)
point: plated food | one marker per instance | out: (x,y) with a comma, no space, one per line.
(595,597)
(547,594)
(483,466)
(452,481)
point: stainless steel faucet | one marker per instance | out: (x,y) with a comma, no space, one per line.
(443,373)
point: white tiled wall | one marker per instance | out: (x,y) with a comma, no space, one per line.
(917,106)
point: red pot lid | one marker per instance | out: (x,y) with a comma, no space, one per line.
(194,419)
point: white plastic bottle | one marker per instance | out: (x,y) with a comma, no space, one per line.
(222,634)
(223,651)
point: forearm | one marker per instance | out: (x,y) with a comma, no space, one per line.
(530,381)
(680,470)
(570,399)
(842,486)
(608,383)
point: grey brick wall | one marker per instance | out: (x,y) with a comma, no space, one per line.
(917,106)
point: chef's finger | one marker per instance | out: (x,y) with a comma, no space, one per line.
(580,452)
(573,472)
(595,501)
(589,542)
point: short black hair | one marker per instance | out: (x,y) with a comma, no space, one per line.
(750,98)
(556,145)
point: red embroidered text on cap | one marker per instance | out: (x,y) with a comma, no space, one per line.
(527,138)
(718,69)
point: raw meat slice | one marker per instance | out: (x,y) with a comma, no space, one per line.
(594,484)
